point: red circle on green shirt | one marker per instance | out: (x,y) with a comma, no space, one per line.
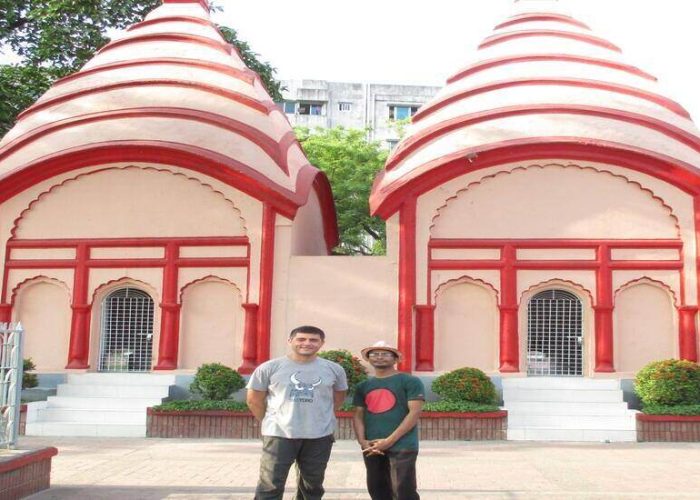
(380,400)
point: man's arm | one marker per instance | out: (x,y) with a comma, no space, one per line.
(415,406)
(257,403)
(338,399)
(358,425)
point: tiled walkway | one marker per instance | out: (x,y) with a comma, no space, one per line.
(99,468)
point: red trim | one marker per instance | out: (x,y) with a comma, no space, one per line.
(537,16)
(266,143)
(425,337)
(603,312)
(79,346)
(193,241)
(267,264)
(244,74)
(593,61)
(665,102)
(231,95)
(581,37)
(324,193)
(170,312)
(221,46)
(687,333)
(27,458)
(250,344)
(171,19)
(668,418)
(386,201)
(407,282)
(509,344)
(551,243)
(439,129)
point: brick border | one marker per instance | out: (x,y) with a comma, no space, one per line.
(671,428)
(241,425)
(25,472)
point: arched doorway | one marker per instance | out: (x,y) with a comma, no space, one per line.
(126,333)
(554,334)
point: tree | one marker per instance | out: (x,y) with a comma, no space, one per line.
(351,163)
(53,38)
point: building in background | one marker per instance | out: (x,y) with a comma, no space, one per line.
(375,106)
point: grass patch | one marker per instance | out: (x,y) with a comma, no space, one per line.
(679,410)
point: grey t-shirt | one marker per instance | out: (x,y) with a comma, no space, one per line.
(299,396)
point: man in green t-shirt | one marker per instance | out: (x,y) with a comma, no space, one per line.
(387,407)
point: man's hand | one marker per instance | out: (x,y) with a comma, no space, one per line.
(378,446)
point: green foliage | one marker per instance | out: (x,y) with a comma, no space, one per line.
(354,369)
(446,406)
(669,382)
(194,405)
(683,410)
(53,38)
(29,380)
(215,381)
(465,384)
(351,164)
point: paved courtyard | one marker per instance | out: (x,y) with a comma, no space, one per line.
(116,468)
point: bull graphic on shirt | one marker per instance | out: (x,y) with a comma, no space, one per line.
(302,391)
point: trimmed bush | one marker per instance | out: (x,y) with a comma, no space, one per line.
(203,405)
(29,380)
(465,384)
(669,382)
(215,381)
(354,369)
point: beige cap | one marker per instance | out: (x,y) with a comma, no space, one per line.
(380,346)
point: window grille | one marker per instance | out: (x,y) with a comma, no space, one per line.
(127,331)
(554,334)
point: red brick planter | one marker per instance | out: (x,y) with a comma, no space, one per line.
(668,428)
(25,472)
(242,425)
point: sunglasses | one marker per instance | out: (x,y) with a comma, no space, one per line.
(380,354)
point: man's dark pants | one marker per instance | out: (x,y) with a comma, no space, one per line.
(392,475)
(278,455)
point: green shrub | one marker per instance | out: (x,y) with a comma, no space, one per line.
(354,369)
(669,382)
(29,380)
(215,381)
(447,406)
(465,384)
(683,410)
(191,404)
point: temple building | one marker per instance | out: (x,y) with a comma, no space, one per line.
(542,212)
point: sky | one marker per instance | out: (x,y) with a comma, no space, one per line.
(425,41)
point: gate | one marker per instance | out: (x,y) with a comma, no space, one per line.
(127,332)
(554,334)
(11,367)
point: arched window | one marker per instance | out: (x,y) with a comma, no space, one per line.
(554,334)
(126,342)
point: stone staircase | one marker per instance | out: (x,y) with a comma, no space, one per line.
(567,409)
(99,404)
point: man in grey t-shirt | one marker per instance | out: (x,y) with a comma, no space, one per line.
(295,398)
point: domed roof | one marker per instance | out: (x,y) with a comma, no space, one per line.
(169,89)
(542,84)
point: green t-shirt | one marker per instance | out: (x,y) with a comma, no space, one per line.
(385,401)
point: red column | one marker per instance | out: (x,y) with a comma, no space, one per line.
(168,346)
(425,338)
(5,313)
(508,340)
(250,347)
(604,313)
(407,281)
(267,265)
(79,344)
(687,335)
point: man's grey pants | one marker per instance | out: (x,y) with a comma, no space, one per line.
(278,455)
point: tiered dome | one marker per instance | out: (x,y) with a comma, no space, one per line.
(171,90)
(542,84)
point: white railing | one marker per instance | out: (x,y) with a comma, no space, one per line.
(11,367)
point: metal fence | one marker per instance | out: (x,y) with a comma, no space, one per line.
(11,367)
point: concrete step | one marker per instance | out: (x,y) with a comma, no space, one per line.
(574,435)
(113,391)
(619,422)
(573,383)
(561,395)
(138,379)
(564,408)
(80,429)
(89,416)
(101,403)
